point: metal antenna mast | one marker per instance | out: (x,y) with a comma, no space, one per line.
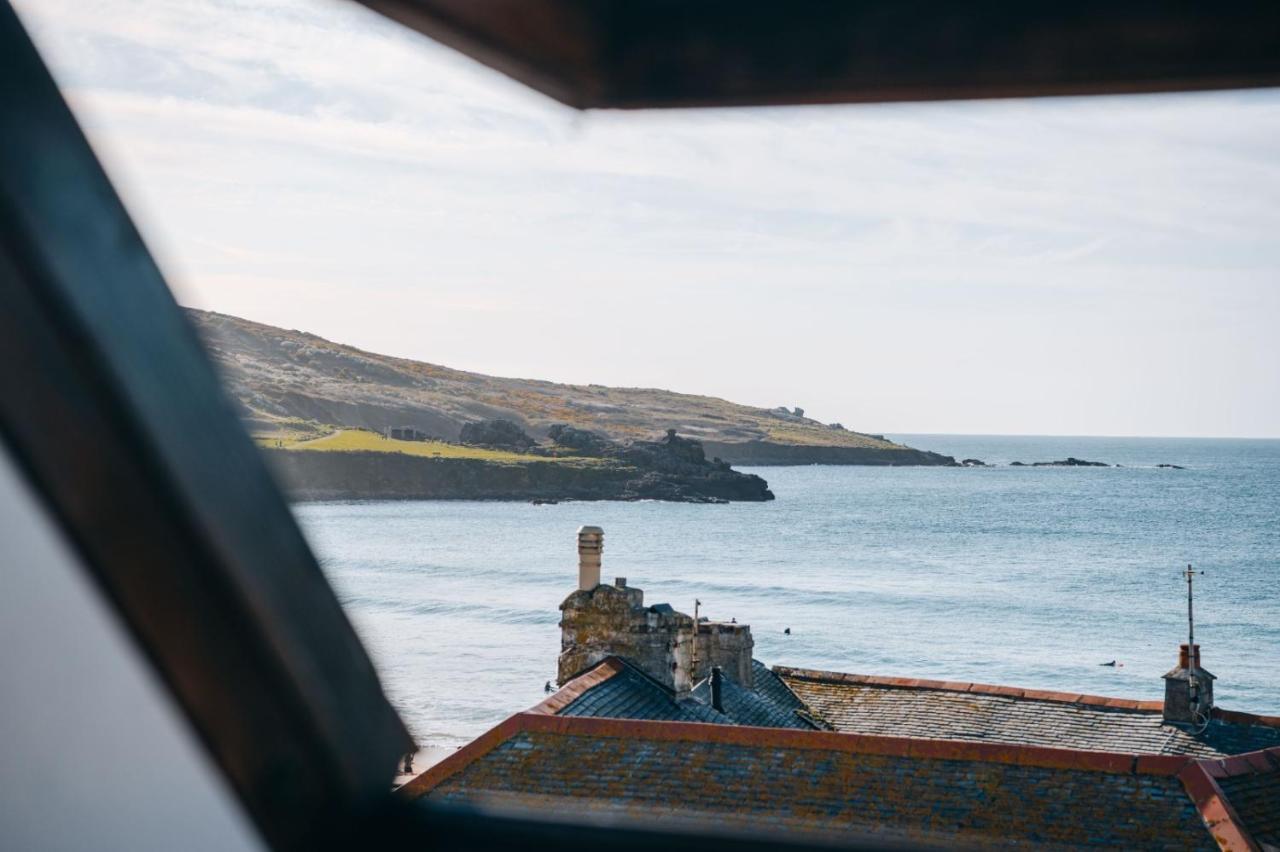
(1191,622)
(693,656)
(1199,719)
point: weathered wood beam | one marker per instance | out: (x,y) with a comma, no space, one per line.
(676,53)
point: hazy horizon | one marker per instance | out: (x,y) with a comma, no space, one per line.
(1063,267)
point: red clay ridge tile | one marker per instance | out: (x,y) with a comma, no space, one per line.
(1197,781)
(1259,761)
(1091,761)
(1236,766)
(982,689)
(1215,811)
(1005,691)
(572,690)
(462,758)
(791,738)
(1230,716)
(1238,718)
(1214,768)
(1195,777)
(1249,763)
(1160,764)
(1045,695)
(953,685)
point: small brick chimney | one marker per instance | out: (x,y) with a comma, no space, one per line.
(1188,689)
(590,548)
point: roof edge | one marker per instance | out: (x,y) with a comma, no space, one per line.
(979,689)
(1216,812)
(773,670)
(578,686)
(1113,763)
(1239,717)
(1198,777)
(1235,717)
(462,758)
(1249,763)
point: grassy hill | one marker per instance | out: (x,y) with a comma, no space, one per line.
(293,385)
(365,441)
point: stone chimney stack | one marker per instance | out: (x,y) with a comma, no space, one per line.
(599,621)
(590,548)
(1188,689)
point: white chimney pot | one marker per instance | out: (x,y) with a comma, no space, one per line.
(590,548)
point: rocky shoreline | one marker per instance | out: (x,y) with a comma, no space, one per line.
(770,454)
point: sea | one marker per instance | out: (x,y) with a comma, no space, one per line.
(1024,576)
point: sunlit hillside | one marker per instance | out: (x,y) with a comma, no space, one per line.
(291,384)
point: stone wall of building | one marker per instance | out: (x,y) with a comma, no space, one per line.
(599,621)
(727,645)
(613,621)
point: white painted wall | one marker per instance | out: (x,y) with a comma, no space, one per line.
(94,754)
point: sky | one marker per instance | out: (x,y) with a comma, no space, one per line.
(1064,266)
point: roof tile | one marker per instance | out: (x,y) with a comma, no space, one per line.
(813,781)
(942,710)
(616,689)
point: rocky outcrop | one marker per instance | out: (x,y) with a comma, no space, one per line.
(500,434)
(674,466)
(581,441)
(1069,461)
(767,453)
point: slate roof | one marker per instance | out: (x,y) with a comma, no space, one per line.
(829,783)
(770,686)
(1251,787)
(946,710)
(615,689)
(772,707)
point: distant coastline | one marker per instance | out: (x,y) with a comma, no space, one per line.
(772,454)
(510,465)
(291,385)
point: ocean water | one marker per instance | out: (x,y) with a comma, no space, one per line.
(1019,576)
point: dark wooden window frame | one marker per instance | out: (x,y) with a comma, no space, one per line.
(628,54)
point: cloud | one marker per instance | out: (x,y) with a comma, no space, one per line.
(286,158)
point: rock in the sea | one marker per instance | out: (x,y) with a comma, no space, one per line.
(582,441)
(676,468)
(1070,461)
(1172,466)
(496,433)
(973,463)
